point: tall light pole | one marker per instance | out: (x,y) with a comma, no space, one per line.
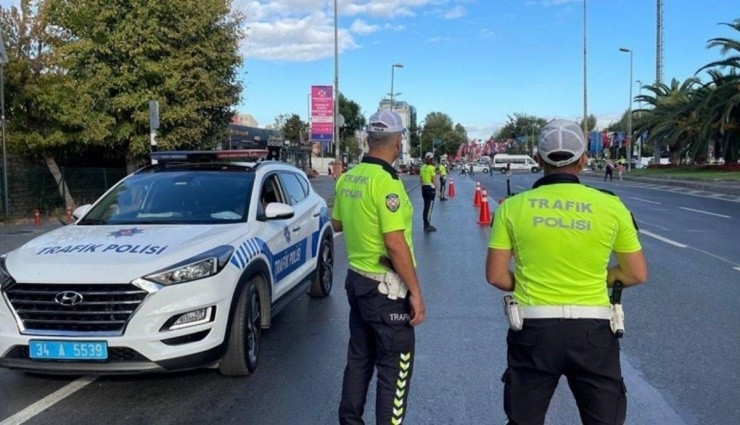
(3,61)
(639,148)
(337,157)
(393,68)
(629,112)
(585,80)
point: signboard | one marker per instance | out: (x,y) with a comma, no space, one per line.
(322,114)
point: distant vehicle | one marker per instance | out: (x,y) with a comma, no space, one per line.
(518,162)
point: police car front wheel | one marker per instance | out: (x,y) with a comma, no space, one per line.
(324,278)
(244,337)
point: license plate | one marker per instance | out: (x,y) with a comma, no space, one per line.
(68,350)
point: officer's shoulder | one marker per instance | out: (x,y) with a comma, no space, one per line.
(598,189)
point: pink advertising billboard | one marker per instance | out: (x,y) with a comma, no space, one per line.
(322,112)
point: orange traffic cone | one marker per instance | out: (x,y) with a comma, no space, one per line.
(485,212)
(476,199)
(452,189)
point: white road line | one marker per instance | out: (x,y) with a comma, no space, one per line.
(737,268)
(705,212)
(48,401)
(645,200)
(660,238)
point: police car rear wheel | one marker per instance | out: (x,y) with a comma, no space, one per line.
(244,337)
(324,279)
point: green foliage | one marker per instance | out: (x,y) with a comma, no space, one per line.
(591,123)
(439,126)
(354,120)
(123,53)
(291,126)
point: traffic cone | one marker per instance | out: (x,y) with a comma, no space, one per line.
(37,218)
(476,199)
(452,189)
(69,215)
(485,212)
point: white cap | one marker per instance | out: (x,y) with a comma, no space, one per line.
(428,155)
(561,137)
(385,121)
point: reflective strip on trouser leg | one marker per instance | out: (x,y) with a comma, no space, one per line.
(404,372)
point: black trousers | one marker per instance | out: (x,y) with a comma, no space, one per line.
(380,338)
(428,193)
(442,184)
(609,173)
(584,350)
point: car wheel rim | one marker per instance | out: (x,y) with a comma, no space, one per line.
(253,323)
(327,266)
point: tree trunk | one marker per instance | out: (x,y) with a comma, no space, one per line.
(59,179)
(131,163)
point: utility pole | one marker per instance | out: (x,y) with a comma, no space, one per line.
(658,65)
(585,80)
(337,155)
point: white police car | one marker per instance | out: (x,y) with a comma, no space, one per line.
(179,265)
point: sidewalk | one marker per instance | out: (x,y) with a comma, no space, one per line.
(724,187)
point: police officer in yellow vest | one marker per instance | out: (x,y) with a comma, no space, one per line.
(429,190)
(561,234)
(442,171)
(375,213)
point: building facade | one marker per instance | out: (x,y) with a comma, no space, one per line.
(408,115)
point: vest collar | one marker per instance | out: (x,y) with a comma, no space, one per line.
(556,178)
(386,166)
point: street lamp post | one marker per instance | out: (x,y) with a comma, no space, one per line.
(337,157)
(639,147)
(393,69)
(629,112)
(585,80)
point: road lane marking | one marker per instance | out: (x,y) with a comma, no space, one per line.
(737,268)
(48,401)
(648,201)
(705,212)
(660,238)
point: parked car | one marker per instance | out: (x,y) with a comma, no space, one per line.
(180,265)
(515,162)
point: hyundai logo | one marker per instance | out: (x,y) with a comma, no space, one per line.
(68,298)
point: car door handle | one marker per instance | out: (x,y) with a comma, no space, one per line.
(295,229)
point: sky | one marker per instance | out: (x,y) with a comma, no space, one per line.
(478,61)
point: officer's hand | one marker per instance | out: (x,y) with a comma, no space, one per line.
(417,310)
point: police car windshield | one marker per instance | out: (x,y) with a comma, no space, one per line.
(179,196)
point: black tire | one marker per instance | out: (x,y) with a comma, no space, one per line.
(244,337)
(485,171)
(535,170)
(324,279)
(503,170)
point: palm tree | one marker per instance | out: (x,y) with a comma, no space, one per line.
(670,117)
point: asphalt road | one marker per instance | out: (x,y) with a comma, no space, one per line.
(680,353)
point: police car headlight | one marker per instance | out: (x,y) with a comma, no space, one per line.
(5,277)
(201,266)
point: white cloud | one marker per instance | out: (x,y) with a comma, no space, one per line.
(455,13)
(297,40)
(303,30)
(363,28)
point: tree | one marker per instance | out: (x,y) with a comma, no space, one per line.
(439,135)
(591,123)
(354,121)
(291,126)
(123,53)
(520,127)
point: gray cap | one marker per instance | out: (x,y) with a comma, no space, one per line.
(429,155)
(385,121)
(564,138)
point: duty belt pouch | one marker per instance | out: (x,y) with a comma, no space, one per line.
(511,309)
(617,320)
(393,286)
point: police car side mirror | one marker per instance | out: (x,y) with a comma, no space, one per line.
(277,211)
(80,211)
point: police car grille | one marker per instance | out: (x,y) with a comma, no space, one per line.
(104,308)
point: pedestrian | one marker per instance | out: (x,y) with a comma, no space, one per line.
(429,190)
(620,170)
(442,172)
(608,170)
(373,210)
(490,167)
(508,168)
(561,235)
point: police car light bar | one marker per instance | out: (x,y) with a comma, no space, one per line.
(209,156)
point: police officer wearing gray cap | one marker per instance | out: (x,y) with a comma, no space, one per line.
(561,235)
(375,213)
